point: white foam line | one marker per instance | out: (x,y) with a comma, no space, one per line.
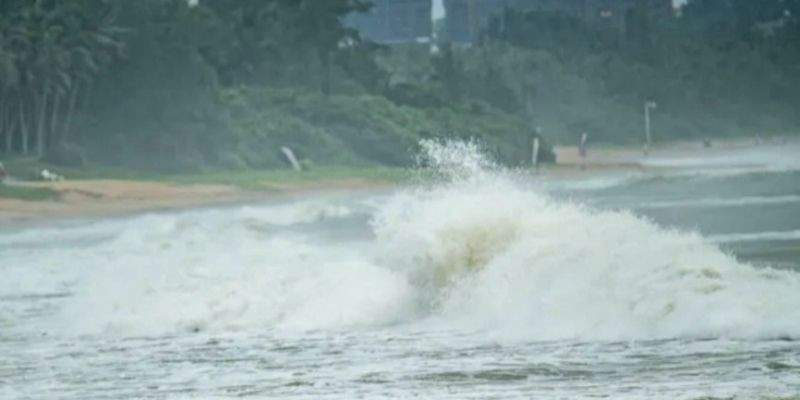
(722,202)
(756,237)
(781,158)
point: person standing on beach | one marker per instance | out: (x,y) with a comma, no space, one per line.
(582,149)
(2,173)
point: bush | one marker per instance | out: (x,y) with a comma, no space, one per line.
(339,129)
(354,129)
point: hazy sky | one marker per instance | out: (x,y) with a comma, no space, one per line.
(438,7)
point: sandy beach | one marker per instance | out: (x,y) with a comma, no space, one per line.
(108,197)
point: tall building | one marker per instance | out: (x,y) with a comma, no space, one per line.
(466,20)
(395,21)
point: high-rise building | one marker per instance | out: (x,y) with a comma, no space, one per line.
(466,20)
(394,21)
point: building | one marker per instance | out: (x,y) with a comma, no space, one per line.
(395,21)
(466,20)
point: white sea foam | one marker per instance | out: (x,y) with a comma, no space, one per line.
(477,252)
(723,202)
(743,160)
(712,165)
(598,182)
(510,259)
(756,237)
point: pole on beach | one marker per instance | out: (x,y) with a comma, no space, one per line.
(648,105)
(535,148)
(582,150)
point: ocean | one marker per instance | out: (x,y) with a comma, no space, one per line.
(679,280)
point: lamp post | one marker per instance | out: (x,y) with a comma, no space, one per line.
(648,105)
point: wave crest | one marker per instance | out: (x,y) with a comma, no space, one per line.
(476,252)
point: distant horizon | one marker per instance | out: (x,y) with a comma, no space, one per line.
(438,7)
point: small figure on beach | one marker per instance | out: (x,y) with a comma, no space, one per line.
(706,142)
(582,149)
(2,172)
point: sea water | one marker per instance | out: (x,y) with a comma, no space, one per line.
(679,282)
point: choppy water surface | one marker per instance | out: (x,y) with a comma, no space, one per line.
(680,282)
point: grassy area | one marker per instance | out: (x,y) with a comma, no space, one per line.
(248,179)
(27,193)
(24,168)
(275,179)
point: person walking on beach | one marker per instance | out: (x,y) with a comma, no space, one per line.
(2,173)
(582,149)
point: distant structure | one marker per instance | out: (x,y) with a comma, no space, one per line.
(395,21)
(467,19)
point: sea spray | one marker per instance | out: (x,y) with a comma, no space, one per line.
(503,257)
(455,160)
(476,251)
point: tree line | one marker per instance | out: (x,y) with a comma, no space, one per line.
(50,53)
(177,84)
(723,67)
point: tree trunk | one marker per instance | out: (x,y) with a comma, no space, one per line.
(326,69)
(41,121)
(10,134)
(4,131)
(52,135)
(73,98)
(23,126)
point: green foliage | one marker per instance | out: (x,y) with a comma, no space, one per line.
(157,105)
(28,193)
(164,85)
(327,129)
(49,52)
(576,77)
(280,42)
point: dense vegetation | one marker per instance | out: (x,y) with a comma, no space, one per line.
(726,67)
(177,84)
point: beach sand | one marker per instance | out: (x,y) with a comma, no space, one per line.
(108,197)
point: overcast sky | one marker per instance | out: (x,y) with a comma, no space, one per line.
(438,7)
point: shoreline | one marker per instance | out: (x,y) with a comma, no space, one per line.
(85,198)
(118,198)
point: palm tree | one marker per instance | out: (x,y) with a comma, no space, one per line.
(48,51)
(92,46)
(9,78)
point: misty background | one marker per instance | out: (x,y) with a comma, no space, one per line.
(187,85)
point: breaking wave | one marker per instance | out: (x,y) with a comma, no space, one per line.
(476,252)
